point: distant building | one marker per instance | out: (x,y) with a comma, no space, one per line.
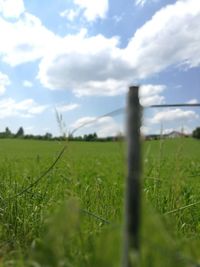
(171,135)
(175,134)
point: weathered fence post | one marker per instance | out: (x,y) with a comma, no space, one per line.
(132,208)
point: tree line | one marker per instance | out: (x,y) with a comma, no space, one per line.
(48,136)
(20,134)
(87,137)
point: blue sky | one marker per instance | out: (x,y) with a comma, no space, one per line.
(80,56)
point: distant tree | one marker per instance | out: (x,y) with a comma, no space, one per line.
(90,137)
(2,135)
(196,133)
(119,137)
(29,136)
(70,137)
(95,137)
(47,136)
(8,132)
(78,138)
(20,132)
(75,138)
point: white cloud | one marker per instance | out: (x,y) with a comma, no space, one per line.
(25,40)
(96,65)
(144,130)
(109,87)
(82,121)
(66,108)
(93,9)
(193,101)
(86,65)
(140,2)
(70,14)
(118,18)
(11,8)
(106,126)
(36,109)
(143,2)
(4,82)
(170,38)
(150,94)
(152,100)
(173,115)
(27,83)
(26,108)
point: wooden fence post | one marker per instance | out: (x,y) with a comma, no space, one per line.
(132,208)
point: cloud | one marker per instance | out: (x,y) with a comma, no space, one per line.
(109,87)
(82,121)
(11,8)
(170,38)
(27,83)
(97,65)
(106,126)
(70,14)
(25,40)
(144,130)
(193,101)
(140,2)
(90,10)
(66,108)
(4,82)
(87,66)
(143,2)
(118,18)
(173,115)
(26,108)
(150,94)
(93,9)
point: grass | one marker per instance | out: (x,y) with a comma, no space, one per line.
(54,223)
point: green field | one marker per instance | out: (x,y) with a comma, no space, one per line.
(73,217)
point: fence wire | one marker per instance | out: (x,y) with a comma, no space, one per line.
(113,113)
(122,110)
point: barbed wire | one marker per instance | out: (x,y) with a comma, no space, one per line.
(181,208)
(174,105)
(122,110)
(113,113)
(109,114)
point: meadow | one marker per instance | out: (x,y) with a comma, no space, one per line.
(73,215)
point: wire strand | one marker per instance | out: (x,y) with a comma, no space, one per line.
(110,114)
(119,111)
(182,208)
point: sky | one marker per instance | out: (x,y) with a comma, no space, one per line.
(77,58)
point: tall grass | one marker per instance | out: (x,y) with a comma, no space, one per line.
(47,225)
